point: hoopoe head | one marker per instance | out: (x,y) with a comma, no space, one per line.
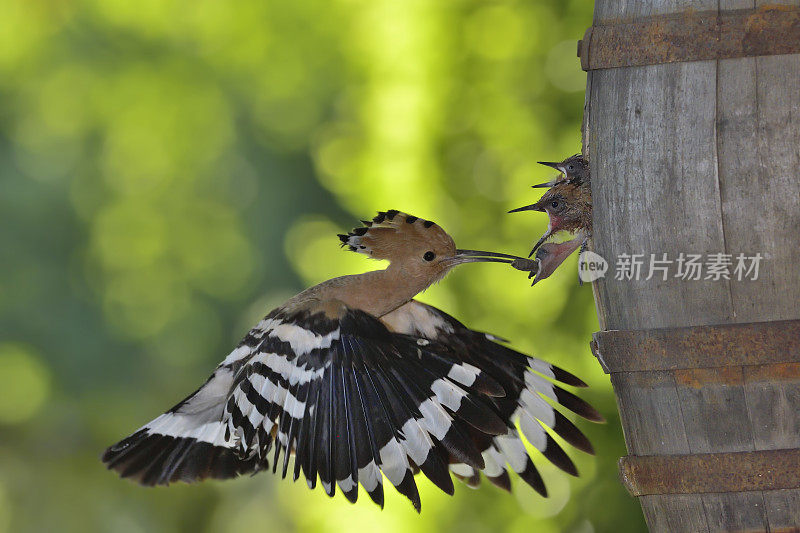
(419,247)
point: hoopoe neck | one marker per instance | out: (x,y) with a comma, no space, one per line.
(377,292)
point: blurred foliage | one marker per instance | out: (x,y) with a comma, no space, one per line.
(170,170)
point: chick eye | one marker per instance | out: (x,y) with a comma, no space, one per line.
(429,256)
(554,204)
(570,167)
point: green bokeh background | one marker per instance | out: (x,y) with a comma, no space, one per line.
(171,170)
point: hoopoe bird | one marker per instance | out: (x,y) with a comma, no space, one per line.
(359,381)
(568,204)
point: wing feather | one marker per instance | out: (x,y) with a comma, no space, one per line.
(355,398)
(477,367)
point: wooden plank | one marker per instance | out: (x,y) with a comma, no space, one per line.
(639,396)
(615,10)
(674,513)
(639,174)
(773,399)
(716,417)
(758,138)
(783,509)
(700,158)
(735,511)
(714,410)
(757,141)
(651,144)
(754,99)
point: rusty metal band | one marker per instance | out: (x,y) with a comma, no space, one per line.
(711,472)
(755,343)
(692,36)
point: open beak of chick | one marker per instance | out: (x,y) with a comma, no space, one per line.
(555,221)
(560,178)
(551,255)
(553,226)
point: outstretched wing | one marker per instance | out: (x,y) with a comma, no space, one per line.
(187,443)
(353,399)
(523,380)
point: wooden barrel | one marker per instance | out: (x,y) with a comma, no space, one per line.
(692,129)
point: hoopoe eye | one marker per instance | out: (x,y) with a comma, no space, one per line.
(570,167)
(554,204)
(429,256)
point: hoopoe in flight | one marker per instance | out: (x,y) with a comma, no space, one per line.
(359,381)
(568,204)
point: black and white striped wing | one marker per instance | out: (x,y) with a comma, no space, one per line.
(354,400)
(527,383)
(188,443)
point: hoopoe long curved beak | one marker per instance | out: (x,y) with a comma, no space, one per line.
(477,256)
(480,256)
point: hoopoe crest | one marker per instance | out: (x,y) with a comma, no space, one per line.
(357,381)
(420,247)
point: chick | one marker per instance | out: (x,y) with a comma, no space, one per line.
(568,204)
